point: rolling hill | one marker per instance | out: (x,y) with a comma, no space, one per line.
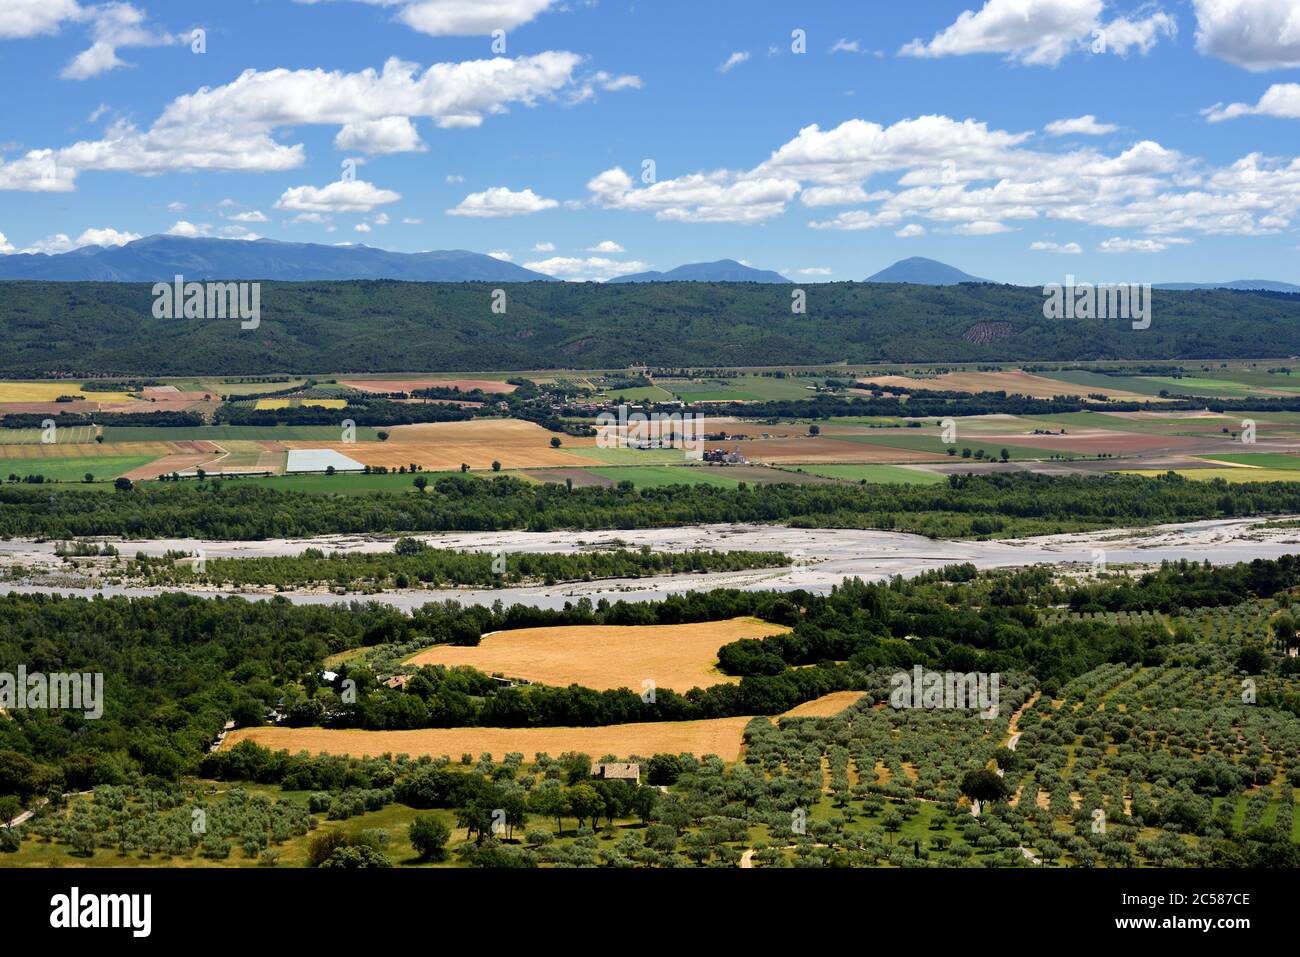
(923,272)
(1267,285)
(724,270)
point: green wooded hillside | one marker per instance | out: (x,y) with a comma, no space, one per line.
(109,328)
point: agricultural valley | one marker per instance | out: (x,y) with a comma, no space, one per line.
(470,590)
(468,458)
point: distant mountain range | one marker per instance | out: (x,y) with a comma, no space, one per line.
(1268,285)
(928,272)
(159,258)
(724,270)
(923,272)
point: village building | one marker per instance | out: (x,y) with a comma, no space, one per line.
(616,772)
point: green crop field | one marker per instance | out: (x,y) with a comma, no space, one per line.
(747,388)
(1195,385)
(65,436)
(1263,460)
(1096,380)
(642,393)
(350,484)
(657,476)
(102,467)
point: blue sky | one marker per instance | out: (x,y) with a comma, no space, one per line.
(902,129)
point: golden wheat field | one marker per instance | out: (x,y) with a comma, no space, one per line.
(720,736)
(301,403)
(444,446)
(49,391)
(679,657)
(826,706)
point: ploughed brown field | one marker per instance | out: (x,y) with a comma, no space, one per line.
(721,736)
(679,657)
(444,446)
(824,450)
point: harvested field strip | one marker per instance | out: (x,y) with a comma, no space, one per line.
(826,706)
(152,468)
(80,450)
(301,403)
(1227,474)
(221,433)
(720,736)
(72,435)
(1013,383)
(477,443)
(679,657)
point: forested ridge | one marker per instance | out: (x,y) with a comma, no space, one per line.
(93,328)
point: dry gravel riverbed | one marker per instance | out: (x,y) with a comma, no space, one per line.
(823,557)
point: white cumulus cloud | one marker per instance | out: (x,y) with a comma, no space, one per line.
(341,196)
(1281,100)
(1086,125)
(499,201)
(592,268)
(388,134)
(1256,35)
(1043,32)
